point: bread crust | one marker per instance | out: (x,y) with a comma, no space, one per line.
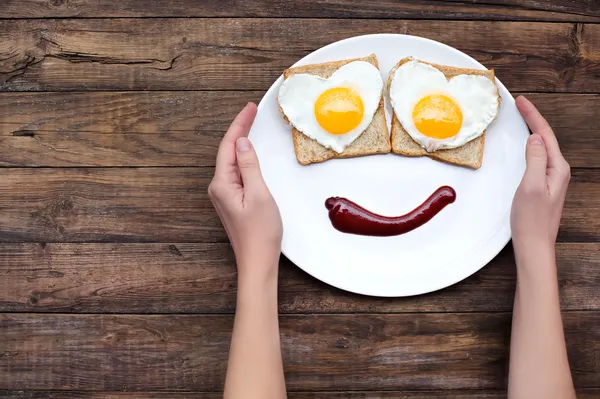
(469,155)
(374,140)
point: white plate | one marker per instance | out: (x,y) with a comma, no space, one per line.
(457,242)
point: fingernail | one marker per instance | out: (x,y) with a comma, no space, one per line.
(536,139)
(243,144)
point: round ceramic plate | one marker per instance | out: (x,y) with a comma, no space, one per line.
(457,242)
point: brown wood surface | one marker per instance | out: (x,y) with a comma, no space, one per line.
(586,393)
(544,10)
(160,204)
(391,352)
(116,278)
(249,54)
(183,128)
(200,278)
(172,205)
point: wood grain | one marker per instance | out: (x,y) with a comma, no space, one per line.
(454,394)
(249,54)
(172,205)
(147,112)
(183,128)
(573,120)
(57,205)
(321,352)
(103,205)
(116,129)
(42,148)
(201,278)
(554,10)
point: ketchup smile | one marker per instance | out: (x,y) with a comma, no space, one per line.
(348,217)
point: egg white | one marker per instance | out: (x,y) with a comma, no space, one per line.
(477,97)
(298,94)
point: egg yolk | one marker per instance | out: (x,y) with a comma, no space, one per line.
(339,110)
(437,116)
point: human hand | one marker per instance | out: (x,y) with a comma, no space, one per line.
(538,203)
(243,201)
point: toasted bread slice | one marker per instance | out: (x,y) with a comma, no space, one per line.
(469,155)
(374,140)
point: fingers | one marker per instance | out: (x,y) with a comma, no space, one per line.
(247,162)
(536,157)
(226,167)
(240,127)
(539,125)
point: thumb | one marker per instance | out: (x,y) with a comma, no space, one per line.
(248,163)
(537,159)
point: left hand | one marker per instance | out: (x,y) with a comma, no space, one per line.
(243,201)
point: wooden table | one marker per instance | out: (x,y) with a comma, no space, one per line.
(115,273)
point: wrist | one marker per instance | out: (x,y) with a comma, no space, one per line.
(532,245)
(538,255)
(258,271)
(256,288)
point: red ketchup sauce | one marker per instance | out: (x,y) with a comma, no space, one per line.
(348,217)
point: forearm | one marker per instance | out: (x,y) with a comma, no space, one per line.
(255,368)
(539,366)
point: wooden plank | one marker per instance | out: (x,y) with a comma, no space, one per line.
(116,129)
(179,352)
(572,119)
(172,205)
(201,278)
(51,149)
(179,129)
(455,394)
(57,205)
(249,54)
(148,112)
(554,10)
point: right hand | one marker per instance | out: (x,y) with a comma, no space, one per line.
(538,203)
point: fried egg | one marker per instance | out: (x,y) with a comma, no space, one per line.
(440,113)
(333,111)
